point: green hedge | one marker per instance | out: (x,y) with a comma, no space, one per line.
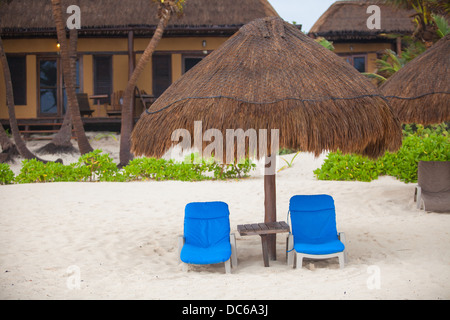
(98,166)
(419,144)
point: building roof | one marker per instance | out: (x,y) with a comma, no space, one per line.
(113,17)
(347,20)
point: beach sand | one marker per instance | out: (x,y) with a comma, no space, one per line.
(119,240)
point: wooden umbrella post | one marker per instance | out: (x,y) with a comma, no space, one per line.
(270,202)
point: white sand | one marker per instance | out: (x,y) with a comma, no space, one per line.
(121,239)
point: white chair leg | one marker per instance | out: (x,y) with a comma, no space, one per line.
(341,260)
(419,197)
(290,251)
(228,266)
(299,259)
(234,262)
(344,241)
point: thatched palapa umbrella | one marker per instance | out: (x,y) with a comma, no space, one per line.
(269,75)
(420,91)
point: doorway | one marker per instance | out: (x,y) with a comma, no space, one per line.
(52,99)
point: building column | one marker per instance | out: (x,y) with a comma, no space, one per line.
(131,69)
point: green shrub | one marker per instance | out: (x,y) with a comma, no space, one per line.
(419,144)
(347,167)
(90,167)
(6,174)
(31,171)
(161,169)
(96,165)
(193,168)
(236,170)
(36,171)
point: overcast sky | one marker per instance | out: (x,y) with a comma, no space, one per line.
(304,12)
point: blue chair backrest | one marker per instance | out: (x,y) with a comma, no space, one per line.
(313,218)
(206,223)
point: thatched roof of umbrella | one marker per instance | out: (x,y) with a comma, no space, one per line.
(268,76)
(420,91)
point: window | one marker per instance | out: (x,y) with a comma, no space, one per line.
(190,61)
(18,69)
(48,86)
(358,61)
(103,77)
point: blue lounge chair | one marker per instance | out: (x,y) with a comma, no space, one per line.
(207,238)
(313,231)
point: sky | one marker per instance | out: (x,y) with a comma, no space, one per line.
(304,12)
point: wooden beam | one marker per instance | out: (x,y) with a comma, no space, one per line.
(270,202)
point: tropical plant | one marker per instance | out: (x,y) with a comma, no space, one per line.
(288,163)
(166,9)
(325,43)
(424,18)
(391,62)
(104,136)
(96,165)
(442,25)
(6,174)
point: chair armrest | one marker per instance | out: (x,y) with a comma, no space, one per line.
(341,237)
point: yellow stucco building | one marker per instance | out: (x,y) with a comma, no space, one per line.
(112,37)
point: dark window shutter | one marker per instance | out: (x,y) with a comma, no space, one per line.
(162,73)
(18,69)
(103,77)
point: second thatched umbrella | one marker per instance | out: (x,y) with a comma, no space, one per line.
(420,91)
(269,75)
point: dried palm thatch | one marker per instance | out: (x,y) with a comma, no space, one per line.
(348,20)
(420,91)
(269,76)
(113,17)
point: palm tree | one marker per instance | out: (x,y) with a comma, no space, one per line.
(83,142)
(166,9)
(20,144)
(427,29)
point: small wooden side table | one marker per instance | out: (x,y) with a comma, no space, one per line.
(264,230)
